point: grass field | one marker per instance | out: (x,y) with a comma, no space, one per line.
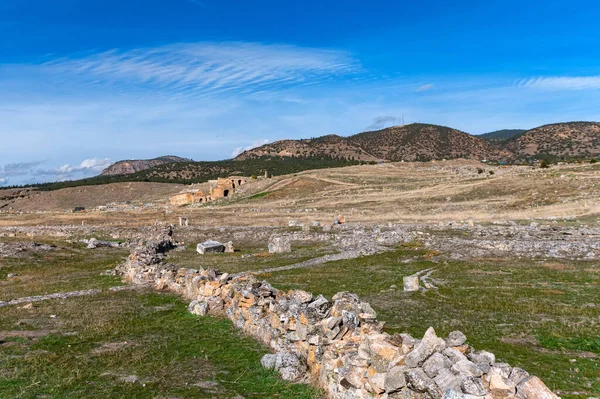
(543,316)
(126,344)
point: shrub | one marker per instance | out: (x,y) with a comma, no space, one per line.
(491,172)
(544,164)
(593,160)
(480,171)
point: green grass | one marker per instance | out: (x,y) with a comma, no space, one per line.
(247,258)
(158,343)
(127,344)
(69,267)
(534,314)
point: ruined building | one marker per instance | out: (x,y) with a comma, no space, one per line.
(220,188)
(224,187)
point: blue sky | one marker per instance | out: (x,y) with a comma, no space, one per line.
(86,83)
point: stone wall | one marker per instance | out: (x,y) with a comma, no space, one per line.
(337,344)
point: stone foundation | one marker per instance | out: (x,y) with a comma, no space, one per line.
(337,344)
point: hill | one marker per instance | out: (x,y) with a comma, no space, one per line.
(331,146)
(198,172)
(502,135)
(423,142)
(135,165)
(560,140)
(412,142)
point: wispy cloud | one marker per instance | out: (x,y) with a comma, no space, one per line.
(257,143)
(561,82)
(17,169)
(384,121)
(210,68)
(425,87)
(88,167)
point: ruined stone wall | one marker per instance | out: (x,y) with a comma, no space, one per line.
(337,344)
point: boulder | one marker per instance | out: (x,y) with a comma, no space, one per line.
(417,380)
(446,380)
(209,247)
(286,363)
(229,247)
(395,379)
(427,347)
(279,245)
(456,338)
(473,386)
(534,388)
(411,283)
(198,308)
(517,375)
(435,363)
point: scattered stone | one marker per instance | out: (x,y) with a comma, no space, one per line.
(428,345)
(411,283)
(517,375)
(395,379)
(435,363)
(209,247)
(279,245)
(456,338)
(473,386)
(533,387)
(229,247)
(417,379)
(198,308)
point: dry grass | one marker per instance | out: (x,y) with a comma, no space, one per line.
(400,192)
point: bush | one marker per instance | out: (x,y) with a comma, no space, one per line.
(480,171)
(593,160)
(491,172)
(254,177)
(544,164)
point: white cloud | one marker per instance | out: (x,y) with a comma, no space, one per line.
(209,68)
(88,167)
(561,82)
(238,150)
(3,181)
(425,87)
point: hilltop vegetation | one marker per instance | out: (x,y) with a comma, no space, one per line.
(199,172)
(502,135)
(136,165)
(414,142)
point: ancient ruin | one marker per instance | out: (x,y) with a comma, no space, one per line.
(220,188)
(337,344)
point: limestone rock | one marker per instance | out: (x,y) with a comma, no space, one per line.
(456,338)
(229,249)
(435,363)
(517,375)
(501,387)
(417,379)
(395,379)
(473,386)
(209,247)
(427,347)
(287,364)
(279,245)
(198,308)
(411,283)
(447,380)
(534,388)
(466,368)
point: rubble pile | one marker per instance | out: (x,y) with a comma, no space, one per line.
(337,344)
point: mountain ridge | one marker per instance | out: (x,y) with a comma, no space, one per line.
(130,166)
